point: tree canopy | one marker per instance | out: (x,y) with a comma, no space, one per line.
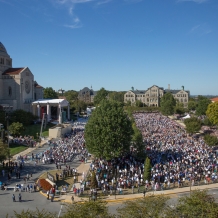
(198,204)
(117,96)
(147,169)
(108,132)
(71,95)
(192,104)
(179,108)
(16,128)
(211,140)
(50,93)
(137,141)
(101,95)
(202,105)
(87,209)
(21,116)
(193,125)
(4,150)
(167,104)
(149,207)
(212,113)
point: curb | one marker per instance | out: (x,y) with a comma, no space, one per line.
(135,198)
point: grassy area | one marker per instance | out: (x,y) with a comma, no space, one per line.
(32,130)
(16,148)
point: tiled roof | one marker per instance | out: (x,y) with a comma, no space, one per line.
(214,99)
(38,86)
(13,71)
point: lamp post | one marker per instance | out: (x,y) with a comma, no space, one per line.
(7,110)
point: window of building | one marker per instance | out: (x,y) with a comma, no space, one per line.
(8,62)
(1,60)
(9,91)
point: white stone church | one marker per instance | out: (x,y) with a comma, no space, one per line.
(18,89)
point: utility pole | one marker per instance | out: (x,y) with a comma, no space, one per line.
(7,119)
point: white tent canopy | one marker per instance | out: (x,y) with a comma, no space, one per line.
(52,102)
(48,103)
(186,117)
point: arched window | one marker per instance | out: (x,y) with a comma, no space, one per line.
(9,91)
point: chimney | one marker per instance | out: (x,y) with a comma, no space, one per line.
(168,86)
(182,87)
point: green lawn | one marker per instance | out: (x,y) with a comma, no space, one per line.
(32,130)
(16,148)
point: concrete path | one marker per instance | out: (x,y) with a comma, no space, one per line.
(120,198)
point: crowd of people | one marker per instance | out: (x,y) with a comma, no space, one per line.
(66,148)
(175,156)
(24,140)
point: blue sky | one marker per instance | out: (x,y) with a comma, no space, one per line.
(115,44)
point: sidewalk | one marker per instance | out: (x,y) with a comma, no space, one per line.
(29,150)
(120,198)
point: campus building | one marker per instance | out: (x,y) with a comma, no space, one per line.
(153,95)
(87,95)
(18,89)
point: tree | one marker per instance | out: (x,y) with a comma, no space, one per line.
(71,95)
(139,103)
(49,93)
(207,122)
(198,204)
(137,140)
(212,113)
(2,117)
(21,116)
(34,214)
(192,104)
(203,103)
(167,104)
(101,95)
(94,182)
(210,140)
(149,207)
(87,209)
(16,128)
(193,124)
(108,132)
(147,169)
(179,108)
(117,96)
(4,150)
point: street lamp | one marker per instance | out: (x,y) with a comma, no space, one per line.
(7,110)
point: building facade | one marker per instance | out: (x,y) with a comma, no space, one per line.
(152,96)
(87,95)
(18,89)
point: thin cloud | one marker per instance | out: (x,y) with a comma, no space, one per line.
(132,1)
(200,29)
(6,2)
(103,2)
(196,1)
(72,26)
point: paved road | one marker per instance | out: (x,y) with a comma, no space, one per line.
(112,207)
(30,201)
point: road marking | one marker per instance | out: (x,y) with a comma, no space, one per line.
(60,211)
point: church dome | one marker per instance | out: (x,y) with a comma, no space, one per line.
(3,49)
